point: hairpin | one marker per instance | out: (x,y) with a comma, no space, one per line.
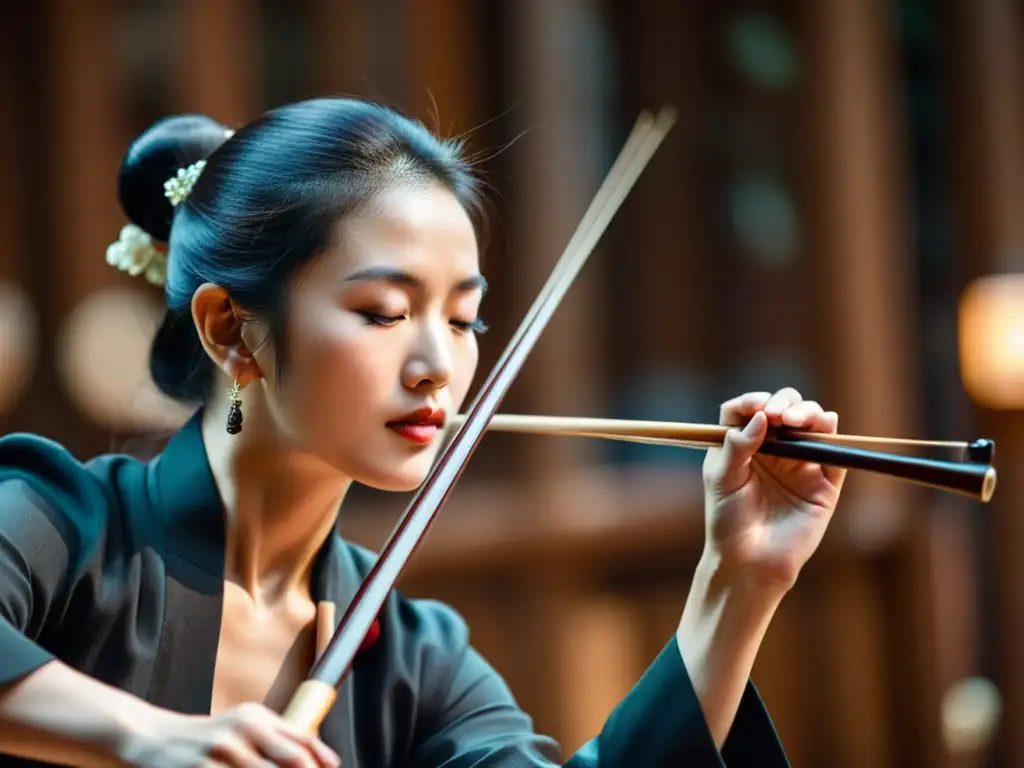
(178,188)
(137,254)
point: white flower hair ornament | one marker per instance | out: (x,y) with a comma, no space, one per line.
(179,187)
(137,254)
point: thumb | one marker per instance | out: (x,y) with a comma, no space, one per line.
(738,449)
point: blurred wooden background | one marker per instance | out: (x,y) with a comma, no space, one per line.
(840,170)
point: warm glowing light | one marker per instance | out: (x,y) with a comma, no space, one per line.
(972,710)
(992,341)
(103,357)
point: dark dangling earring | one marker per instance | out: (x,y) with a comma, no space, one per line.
(235,413)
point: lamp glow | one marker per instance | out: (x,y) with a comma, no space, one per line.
(991,341)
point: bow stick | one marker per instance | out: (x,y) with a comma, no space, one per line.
(972,476)
(315,696)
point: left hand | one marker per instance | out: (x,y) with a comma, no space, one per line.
(766,516)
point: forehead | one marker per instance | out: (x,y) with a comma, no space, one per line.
(420,229)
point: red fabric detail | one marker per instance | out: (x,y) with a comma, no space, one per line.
(372,636)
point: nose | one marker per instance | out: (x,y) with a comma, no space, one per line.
(430,362)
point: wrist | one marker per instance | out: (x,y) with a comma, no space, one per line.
(726,616)
(731,603)
(139,732)
(738,576)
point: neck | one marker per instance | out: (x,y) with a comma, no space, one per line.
(281,505)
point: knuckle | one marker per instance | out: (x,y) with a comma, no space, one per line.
(290,756)
(223,742)
(251,713)
(730,409)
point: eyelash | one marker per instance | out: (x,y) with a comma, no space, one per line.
(386,321)
(476,326)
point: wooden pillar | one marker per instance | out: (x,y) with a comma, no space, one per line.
(662,271)
(785,679)
(445,64)
(86,135)
(988,143)
(864,289)
(859,303)
(557,167)
(18,315)
(87,139)
(218,69)
(600,665)
(341,56)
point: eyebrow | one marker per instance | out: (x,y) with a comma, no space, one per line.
(400,277)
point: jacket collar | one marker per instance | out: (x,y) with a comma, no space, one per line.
(185,496)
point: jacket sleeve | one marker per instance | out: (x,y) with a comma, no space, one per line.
(659,723)
(51,514)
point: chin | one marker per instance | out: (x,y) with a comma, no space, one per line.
(401,476)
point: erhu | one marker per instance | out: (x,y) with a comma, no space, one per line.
(315,696)
(969,472)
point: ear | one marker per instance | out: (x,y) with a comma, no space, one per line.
(219,324)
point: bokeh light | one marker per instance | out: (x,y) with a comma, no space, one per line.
(103,359)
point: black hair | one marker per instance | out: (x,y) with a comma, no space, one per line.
(267,202)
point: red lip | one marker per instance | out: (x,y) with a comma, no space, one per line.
(420,426)
(434,416)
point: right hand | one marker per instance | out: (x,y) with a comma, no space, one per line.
(248,736)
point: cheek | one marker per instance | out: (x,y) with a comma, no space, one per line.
(337,372)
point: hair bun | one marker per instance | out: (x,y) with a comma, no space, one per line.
(153,158)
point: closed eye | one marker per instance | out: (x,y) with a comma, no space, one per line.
(462,326)
(474,326)
(373,318)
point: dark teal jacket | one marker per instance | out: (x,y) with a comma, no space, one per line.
(115,566)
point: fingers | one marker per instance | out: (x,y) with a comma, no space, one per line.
(738,448)
(747,416)
(785,407)
(324,755)
(809,416)
(780,402)
(737,412)
(282,743)
(235,750)
(282,750)
(750,415)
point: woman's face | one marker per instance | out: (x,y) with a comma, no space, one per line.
(382,346)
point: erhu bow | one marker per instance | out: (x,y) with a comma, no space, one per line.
(315,696)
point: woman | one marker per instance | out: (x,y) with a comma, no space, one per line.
(323,290)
